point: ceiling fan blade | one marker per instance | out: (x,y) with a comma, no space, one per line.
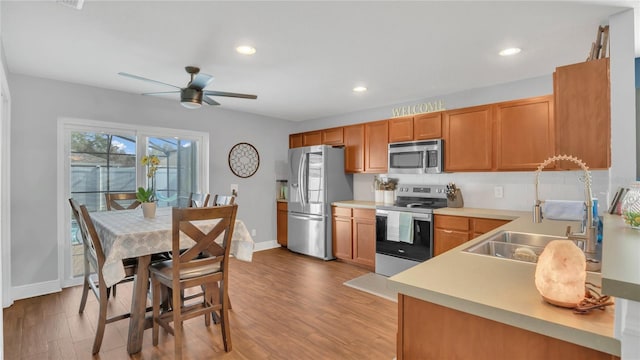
(162,93)
(145,79)
(200,81)
(228,94)
(209,100)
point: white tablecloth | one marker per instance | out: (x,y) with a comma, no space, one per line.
(127,234)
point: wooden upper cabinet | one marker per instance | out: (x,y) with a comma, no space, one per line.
(468,136)
(524,133)
(417,127)
(295,140)
(401,129)
(583,113)
(312,138)
(427,126)
(375,145)
(333,136)
(354,148)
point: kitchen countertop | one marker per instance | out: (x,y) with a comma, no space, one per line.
(504,290)
(359,204)
(620,259)
(483,213)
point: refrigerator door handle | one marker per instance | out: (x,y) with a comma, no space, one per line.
(306,216)
(303,178)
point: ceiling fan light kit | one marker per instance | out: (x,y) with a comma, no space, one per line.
(192,96)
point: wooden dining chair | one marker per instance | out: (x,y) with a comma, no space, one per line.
(94,257)
(223,200)
(189,269)
(121,201)
(198,200)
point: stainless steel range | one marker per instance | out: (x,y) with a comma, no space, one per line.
(404,231)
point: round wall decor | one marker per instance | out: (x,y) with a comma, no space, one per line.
(244,160)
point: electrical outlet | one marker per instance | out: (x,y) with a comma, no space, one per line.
(253,232)
(498,191)
(234,189)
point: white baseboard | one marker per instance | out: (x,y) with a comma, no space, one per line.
(31,290)
(265,245)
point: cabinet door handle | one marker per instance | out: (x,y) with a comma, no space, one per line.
(448,231)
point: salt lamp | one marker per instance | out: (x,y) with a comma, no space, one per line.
(561,273)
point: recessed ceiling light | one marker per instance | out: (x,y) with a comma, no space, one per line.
(509,51)
(359,89)
(246,50)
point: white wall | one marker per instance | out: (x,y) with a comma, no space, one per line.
(36,105)
(623,152)
(5,279)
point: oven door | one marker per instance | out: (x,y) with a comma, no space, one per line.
(419,249)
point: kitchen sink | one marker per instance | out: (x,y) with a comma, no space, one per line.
(522,246)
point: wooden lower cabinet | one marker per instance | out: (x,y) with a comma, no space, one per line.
(354,235)
(452,231)
(364,237)
(341,228)
(430,331)
(282,214)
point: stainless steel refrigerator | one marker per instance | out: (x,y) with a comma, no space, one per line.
(316,179)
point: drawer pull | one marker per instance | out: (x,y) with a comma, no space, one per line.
(448,231)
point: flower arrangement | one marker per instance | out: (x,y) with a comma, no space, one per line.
(451,191)
(148,195)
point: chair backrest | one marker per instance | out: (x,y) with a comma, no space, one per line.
(185,221)
(219,200)
(121,201)
(89,235)
(198,200)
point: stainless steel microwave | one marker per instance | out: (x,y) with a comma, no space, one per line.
(416,157)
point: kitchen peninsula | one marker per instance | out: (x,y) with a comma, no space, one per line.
(459,303)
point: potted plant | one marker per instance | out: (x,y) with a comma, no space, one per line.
(147,196)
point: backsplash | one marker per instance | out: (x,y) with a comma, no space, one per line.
(517,187)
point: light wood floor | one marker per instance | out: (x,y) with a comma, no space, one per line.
(285,306)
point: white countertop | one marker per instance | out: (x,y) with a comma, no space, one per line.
(504,290)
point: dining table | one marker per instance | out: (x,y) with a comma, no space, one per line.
(126,234)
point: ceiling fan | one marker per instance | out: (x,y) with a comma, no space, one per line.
(193,94)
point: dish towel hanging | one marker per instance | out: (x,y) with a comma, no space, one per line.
(563,210)
(400,227)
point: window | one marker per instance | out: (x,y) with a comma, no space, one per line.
(101,158)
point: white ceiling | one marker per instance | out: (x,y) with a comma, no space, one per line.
(310,54)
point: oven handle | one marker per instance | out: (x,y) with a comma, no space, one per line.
(416,215)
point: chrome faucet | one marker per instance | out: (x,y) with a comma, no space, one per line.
(588,233)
